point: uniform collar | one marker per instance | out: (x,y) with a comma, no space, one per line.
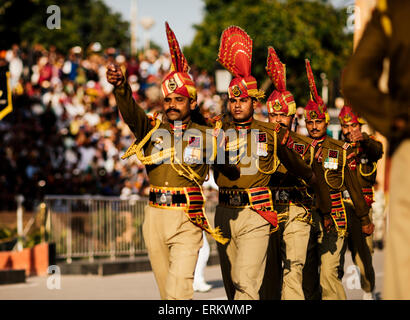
(181,126)
(320,140)
(245,125)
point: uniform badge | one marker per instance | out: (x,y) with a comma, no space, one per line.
(165,198)
(261,137)
(313,114)
(235,200)
(347,118)
(261,144)
(194,142)
(299,148)
(236,91)
(262,149)
(172,85)
(332,160)
(283,195)
(352,164)
(277,106)
(364,160)
(192,155)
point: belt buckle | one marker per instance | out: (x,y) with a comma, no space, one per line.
(283,195)
(235,200)
(165,198)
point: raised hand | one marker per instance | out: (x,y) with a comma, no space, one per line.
(115,75)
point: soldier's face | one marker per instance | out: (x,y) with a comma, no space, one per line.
(281,118)
(178,107)
(316,128)
(348,128)
(241,108)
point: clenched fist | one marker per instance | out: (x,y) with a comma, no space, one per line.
(115,75)
(356,135)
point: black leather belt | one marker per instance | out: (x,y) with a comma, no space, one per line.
(234,198)
(166,198)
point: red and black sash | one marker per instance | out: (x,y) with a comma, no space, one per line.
(338,212)
(261,201)
(258,199)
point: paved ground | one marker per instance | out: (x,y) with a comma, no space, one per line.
(141,286)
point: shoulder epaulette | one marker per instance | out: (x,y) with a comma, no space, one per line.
(268,125)
(298,137)
(152,117)
(338,143)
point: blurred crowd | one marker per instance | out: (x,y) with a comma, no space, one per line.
(65,135)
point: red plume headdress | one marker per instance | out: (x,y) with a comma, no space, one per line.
(315,108)
(280,99)
(178,80)
(235,54)
(347,115)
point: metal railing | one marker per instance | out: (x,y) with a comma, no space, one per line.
(96,226)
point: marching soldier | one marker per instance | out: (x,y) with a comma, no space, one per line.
(245,212)
(387,36)
(367,152)
(334,161)
(291,198)
(176,153)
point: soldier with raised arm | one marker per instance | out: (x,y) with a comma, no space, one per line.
(367,152)
(334,160)
(176,152)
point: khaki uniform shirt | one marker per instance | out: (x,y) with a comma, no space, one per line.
(260,161)
(192,149)
(335,164)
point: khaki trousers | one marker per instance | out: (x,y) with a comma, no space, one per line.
(332,248)
(243,258)
(173,243)
(294,244)
(289,246)
(397,259)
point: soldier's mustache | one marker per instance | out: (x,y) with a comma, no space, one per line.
(172,109)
